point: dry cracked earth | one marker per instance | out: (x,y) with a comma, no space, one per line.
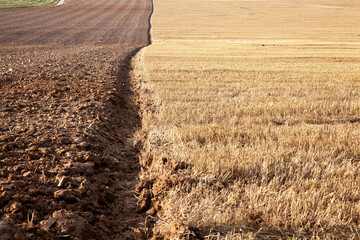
(67,163)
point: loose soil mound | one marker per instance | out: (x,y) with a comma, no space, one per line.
(67,165)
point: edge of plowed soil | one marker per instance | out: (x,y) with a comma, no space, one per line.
(152,189)
(158,175)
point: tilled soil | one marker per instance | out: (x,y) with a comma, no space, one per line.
(68,166)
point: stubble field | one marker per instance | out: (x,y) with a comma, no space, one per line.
(251,119)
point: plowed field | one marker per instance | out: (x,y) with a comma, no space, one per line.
(67,165)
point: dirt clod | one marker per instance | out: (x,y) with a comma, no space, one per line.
(67,195)
(47,224)
(9,231)
(144,201)
(70,223)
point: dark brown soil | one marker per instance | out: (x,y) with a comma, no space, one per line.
(68,166)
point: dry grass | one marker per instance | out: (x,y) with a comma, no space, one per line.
(262,100)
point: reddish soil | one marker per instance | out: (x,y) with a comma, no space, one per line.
(68,166)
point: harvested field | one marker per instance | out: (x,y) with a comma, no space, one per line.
(67,162)
(251,116)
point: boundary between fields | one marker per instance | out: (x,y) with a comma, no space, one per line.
(137,75)
(149,20)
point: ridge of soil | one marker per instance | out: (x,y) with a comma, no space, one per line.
(68,165)
(159,174)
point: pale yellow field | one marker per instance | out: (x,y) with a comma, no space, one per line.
(261,100)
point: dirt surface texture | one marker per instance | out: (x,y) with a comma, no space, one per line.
(67,162)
